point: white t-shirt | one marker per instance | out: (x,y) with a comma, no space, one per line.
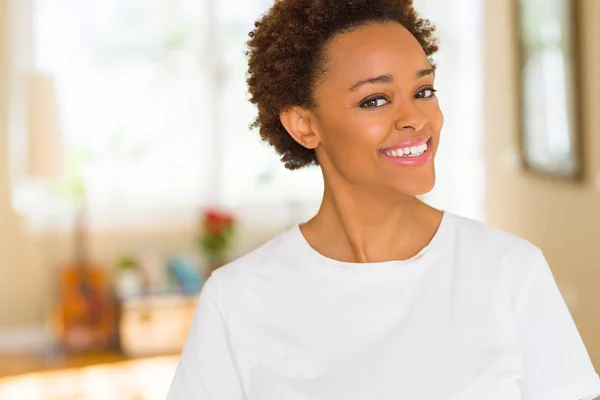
(475,315)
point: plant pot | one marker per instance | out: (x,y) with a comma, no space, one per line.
(129,283)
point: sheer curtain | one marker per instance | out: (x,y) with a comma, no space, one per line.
(135,101)
(155,110)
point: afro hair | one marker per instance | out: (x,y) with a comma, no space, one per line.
(286,57)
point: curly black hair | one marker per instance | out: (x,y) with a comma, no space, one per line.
(286,57)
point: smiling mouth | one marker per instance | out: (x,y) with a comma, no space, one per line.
(410,151)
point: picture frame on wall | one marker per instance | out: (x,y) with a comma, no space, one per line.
(550,131)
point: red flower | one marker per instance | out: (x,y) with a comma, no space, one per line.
(217,221)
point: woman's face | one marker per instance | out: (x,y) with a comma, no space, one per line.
(377,115)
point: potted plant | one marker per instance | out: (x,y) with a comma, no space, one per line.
(216,238)
(129,277)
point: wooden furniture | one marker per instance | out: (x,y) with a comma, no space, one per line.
(155,324)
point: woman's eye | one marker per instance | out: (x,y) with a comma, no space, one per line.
(375,102)
(426,93)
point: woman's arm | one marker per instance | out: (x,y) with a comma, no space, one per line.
(556,363)
(206,370)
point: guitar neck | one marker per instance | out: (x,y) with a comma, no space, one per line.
(81,236)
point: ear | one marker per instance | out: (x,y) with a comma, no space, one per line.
(299,122)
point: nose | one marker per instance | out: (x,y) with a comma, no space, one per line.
(410,117)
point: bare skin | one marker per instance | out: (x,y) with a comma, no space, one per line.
(370,212)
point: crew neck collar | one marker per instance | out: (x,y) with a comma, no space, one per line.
(307,255)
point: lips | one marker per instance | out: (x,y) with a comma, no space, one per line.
(395,154)
(408,143)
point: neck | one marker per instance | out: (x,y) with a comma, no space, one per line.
(355,224)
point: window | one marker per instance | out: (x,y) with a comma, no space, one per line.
(460,171)
(153,102)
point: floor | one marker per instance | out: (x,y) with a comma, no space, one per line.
(16,364)
(107,376)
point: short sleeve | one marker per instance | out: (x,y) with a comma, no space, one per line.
(206,370)
(556,363)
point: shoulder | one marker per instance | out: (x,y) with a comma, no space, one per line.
(263,260)
(238,286)
(497,243)
(500,258)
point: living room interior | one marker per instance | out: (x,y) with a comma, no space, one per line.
(126,152)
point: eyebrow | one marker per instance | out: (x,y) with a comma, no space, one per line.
(387,78)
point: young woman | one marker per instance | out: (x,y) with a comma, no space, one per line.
(378,296)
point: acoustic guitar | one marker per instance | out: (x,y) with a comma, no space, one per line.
(86,315)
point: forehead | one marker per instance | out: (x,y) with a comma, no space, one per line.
(374,49)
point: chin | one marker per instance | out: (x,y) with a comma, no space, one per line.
(415,187)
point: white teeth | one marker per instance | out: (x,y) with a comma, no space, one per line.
(413,151)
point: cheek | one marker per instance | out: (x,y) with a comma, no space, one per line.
(374,129)
(358,132)
(351,143)
(366,129)
(437,119)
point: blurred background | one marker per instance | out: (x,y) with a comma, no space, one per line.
(128,171)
